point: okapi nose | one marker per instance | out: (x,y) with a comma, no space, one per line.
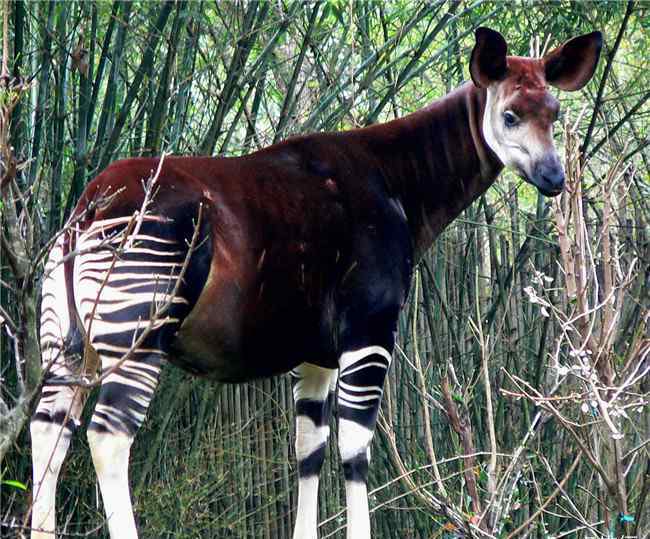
(550,176)
(555,177)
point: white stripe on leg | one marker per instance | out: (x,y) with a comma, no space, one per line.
(110,452)
(354,356)
(359,394)
(59,407)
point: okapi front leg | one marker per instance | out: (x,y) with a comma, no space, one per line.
(313,393)
(361,381)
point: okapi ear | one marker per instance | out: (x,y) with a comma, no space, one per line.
(488,61)
(571,66)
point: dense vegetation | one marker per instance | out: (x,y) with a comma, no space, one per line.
(524,347)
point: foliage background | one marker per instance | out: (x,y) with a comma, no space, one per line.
(118,79)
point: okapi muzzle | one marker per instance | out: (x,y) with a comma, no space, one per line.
(548,175)
(520,111)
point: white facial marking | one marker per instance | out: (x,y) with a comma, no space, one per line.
(518,146)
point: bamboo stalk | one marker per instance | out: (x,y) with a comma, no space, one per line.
(422,385)
(249,32)
(158,113)
(146,64)
(110,95)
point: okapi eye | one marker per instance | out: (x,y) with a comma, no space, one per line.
(510,118)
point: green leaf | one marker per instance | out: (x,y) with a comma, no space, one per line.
(14,483)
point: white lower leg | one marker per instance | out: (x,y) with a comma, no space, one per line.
(50,442)
(110,454)
(307,513)
(354,444)
(360,389)
(356,498)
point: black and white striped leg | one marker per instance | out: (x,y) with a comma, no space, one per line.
(116,299)
(361,381)
(51,428)
(121,407)
(313,393)
(60,406)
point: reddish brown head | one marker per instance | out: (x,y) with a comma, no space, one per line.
(520,110)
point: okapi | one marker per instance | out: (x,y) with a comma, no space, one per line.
(304,260)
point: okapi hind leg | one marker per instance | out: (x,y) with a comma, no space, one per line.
(120,303)
(51,428)
(313,393)
(120,411)
(361,381)
(59,409)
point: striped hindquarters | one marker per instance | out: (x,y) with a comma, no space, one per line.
(130,306)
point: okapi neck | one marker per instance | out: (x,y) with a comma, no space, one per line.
(436,161)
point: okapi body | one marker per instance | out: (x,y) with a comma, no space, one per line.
(302,261)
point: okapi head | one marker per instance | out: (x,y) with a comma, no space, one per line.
(520,110)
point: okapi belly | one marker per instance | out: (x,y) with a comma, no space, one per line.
(213,364)
(243,348)
(235,333)
(223,364)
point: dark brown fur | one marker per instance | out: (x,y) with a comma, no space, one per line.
(304,227)
(313,240)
